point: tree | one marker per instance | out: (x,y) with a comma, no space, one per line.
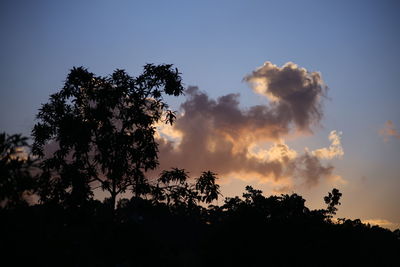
(332,200)
(172,187)
(103,130)
(207,186)
(16,181)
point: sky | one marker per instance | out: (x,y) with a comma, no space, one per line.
(288,96)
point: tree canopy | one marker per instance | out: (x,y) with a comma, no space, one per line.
(103,131)
(16,166)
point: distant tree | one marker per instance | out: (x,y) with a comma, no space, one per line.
(174,189)
(103,130)
(16,165)
(397,233)
(252,195)
(332,200)
(207,186)
(267,209)
(294,205)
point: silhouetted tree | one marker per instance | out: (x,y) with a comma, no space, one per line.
(103,131)
(16,165)
(207,186)
(252,195)
(174,189)
(332,200)
(293,205)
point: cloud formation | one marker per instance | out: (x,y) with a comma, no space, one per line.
(382,223)
(220,136)
(334,150)
(389,130)
(296,94)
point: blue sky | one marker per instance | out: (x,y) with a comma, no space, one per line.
(354,44)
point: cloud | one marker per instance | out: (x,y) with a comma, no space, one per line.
(296,94)
(310,168)
(382,223)
(337,180)
(389,130)
(21,153)
(278,151)
(334,150)
(218,135)
(282,189)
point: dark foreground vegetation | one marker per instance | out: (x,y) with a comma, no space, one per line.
(254,231)
(97,133)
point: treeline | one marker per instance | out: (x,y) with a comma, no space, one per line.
(98,133)
(175,228)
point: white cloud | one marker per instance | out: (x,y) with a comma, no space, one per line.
(334,150)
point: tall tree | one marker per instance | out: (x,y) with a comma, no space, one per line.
(103,130)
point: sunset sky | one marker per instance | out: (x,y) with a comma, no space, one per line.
(288,96)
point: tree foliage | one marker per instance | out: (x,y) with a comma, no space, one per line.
(332,200)
(102,129)
(174,189)
(16,166)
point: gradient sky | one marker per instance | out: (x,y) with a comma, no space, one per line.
(215,44)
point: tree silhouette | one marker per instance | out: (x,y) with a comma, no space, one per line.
(16,181)
(103,130)
(207,186)
(332,200)
(173,188)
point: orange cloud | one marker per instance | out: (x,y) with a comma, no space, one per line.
(382,223)
(389,130)
(20,153)
(249,144)
(337,180)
